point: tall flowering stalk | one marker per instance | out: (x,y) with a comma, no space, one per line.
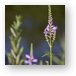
(50,32)
(14,56)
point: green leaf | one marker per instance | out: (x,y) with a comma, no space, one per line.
(56,60)
(13,32)
(19,54)
(18,22)
(46,53)
(9,58)
(13,54)
(13,46)
(18,43)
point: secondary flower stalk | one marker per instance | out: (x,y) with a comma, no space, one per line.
(30,58)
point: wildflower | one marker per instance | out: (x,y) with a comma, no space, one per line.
(30,59)
(50,32)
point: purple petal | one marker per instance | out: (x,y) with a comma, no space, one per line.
(45,32)
(34,60)
(55,27)
(26,61)
(30,63)
(27,56)
(48,27)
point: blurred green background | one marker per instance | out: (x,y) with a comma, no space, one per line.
(34,21)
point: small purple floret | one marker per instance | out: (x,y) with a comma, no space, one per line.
(47,30)
(30,59)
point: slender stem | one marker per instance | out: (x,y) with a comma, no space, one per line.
(50,54)
(31,50)
(50,21)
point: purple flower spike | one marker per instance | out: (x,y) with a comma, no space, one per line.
(30,59)
(50,30)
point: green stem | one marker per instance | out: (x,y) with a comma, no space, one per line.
(50,21)
(50,55)
(31,50)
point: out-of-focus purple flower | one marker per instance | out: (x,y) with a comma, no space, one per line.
(30,59)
